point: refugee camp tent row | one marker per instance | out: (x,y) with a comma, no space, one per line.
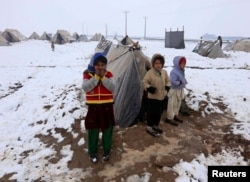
(13,35)
(60,37)
(129,65)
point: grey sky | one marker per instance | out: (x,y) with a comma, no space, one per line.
(219,17)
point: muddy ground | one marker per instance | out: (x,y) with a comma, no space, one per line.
(135,152)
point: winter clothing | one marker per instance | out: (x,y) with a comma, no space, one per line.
(175,97)
(154,82)
(100,116)
(176,93)
(178,80)
(151,90)
(93,138)
(99,92)
(157,80)
(95,58)
(155,108)
(182,60)
(159,57)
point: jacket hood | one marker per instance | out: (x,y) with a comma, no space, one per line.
(177,60)
(95,58)
(157,56)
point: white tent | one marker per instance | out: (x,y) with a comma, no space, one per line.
(45,36)
(239,45)
(62,37)
(34,35)
(96,37)
(209,49)
(3,41)
(13,35)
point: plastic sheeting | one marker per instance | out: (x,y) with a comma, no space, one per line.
(128,65)
(209,49)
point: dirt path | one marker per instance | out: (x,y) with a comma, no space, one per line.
(137,153)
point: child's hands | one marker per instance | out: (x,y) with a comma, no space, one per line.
(100,73)
(151,90)
(167,88)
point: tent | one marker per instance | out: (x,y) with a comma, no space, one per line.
(96,37)
(76,36)
(13,35)
(128,64)
(209,49)
(45,36)
(238,45)
(83,38)
(62,37)
(103,45)
(3,41)
(34,35)
(174,39)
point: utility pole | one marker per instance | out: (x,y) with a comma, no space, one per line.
(145,27)
(126,12)
(106,30)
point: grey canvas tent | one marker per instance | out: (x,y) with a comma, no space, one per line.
(76,36)
(83,38)
(3,41)
(35,36)
(103,45)
(45,36)
(238,45)
(96,37)
(62,37)
(174,39)
(128,64)
(209,49)
(13,35)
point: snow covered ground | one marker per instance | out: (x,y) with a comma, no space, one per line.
(41,90)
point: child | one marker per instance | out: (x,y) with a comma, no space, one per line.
(176,92)
(156,82)
(99,86)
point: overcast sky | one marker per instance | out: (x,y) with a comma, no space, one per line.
(219,17)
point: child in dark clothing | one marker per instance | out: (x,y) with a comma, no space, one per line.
(156,82)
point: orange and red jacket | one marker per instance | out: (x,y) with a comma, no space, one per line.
(99,94)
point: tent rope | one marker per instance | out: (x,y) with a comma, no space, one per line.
(130,49)
(119,56)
